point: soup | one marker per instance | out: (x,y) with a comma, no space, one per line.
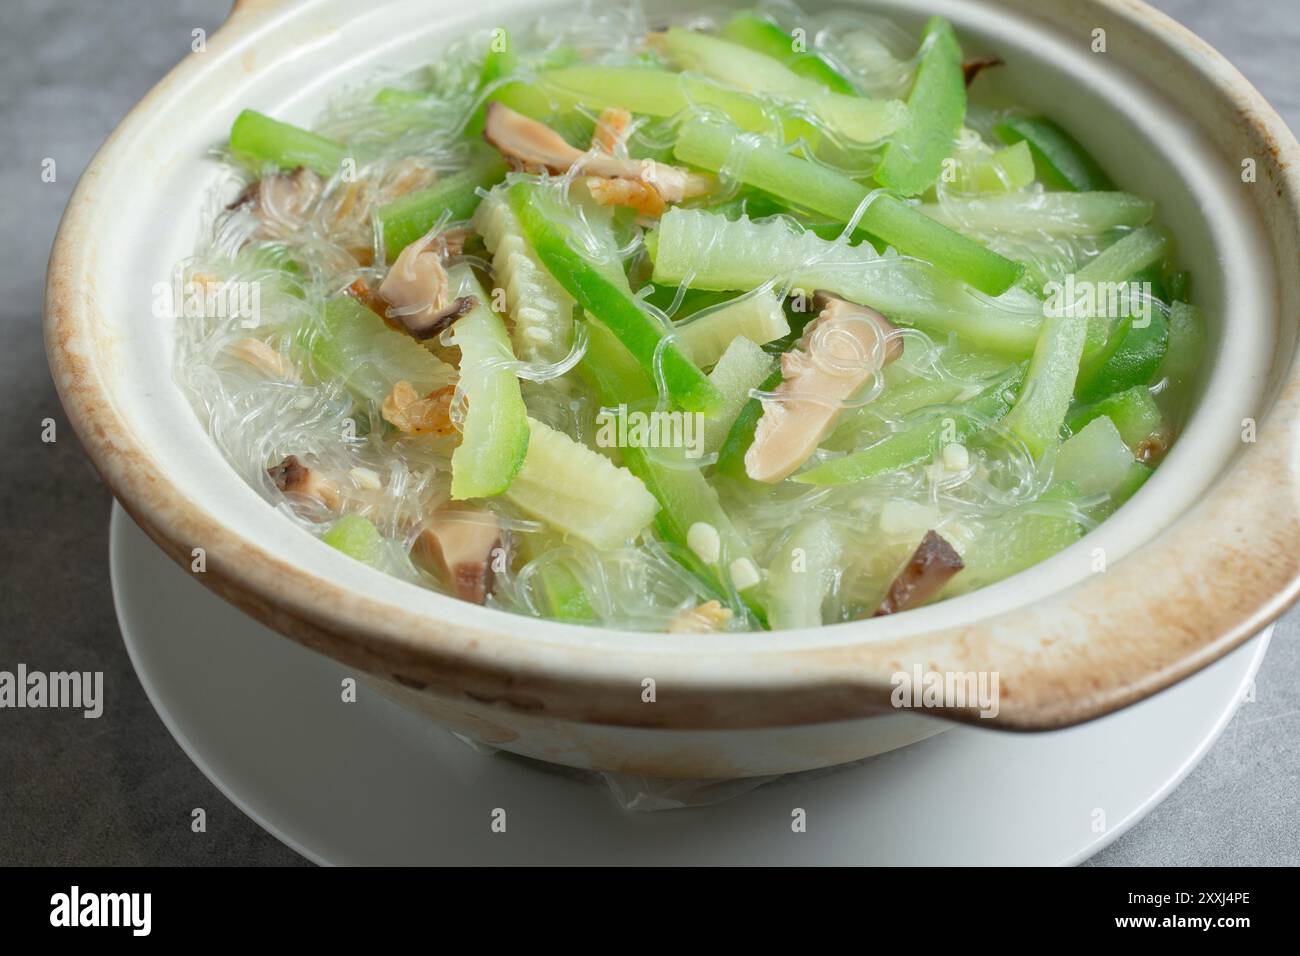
(758,321)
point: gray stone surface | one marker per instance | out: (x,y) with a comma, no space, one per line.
(119,789)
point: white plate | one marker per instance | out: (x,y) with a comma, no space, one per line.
(369,783)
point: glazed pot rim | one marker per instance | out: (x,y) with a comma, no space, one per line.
(1067,657)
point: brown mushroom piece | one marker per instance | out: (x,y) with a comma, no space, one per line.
(973,68)
(533,147)
(840,351)
(929,568)
(417,290)
(294,477)
(441,320)
(458,544)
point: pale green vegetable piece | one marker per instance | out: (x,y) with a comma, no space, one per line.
(1133,411)
(1038,214)
(580,492)
(542,311)
(356,537)
(1096,460)
(1016,540)
(905,392)
(742,367)
(758,318)
(353,346)
(854,117)
(1044,399)
(494,436)
(1186,343)
(714,252)
(913,159)
(1009,169)
(802,575)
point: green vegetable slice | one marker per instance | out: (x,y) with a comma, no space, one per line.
(1133,411)
(563,595)
(758,318)
(1136,477)
(1006,170)
(905,393)
(358,538)
(918,442)
(717,146)
(1051,214)
(1126,257)
(495,430)
(353,346)
(1136,361)
(602,290)
(580,492)
(501,59)
(1136,344)
(743,366)
(731,456)
(499,62)
(257,136)
(684,494)
(855,118)
(1039,412)
(936,108)
(651,92)
(713,252)
(1096,460)
(406,219)
(1017,540)
(1186,343)
(751,29)
(1062,163)
(802,574)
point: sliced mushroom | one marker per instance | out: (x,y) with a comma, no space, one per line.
(534,147)
(527,144)
(293,477)
(282,201)
(930,567)
(417,290)
(405,410)
(458,544)
(973,68)
(840,351)
(708,617)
